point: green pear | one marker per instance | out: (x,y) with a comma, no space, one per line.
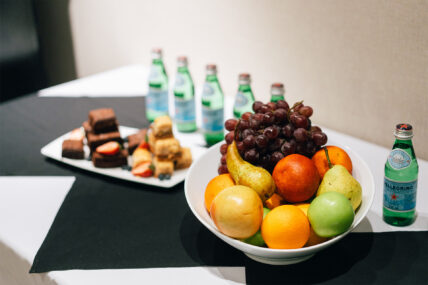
(244,173)
(338,179)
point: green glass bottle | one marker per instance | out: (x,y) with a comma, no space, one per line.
(212,107)
(244,97)
(401,179)
(277,92)
(184,98)
(157,97)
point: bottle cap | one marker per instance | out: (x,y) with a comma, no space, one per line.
(182,61)
(211,69)
(403,131)
(244,79)
(277,89)
(156,53)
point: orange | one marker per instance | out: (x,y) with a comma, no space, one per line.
(337,156)
(313,237)
(285,227)
(274,201)
(215,186)
(296,178)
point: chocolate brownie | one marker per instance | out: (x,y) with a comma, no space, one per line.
(109,161)
(87,127)
(95,140)
(73,149)
(135,140)
(103,120)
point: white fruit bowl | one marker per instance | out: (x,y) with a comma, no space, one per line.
(205,168)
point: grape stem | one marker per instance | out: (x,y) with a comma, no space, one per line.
(292,109)
(236,131)
(330,165)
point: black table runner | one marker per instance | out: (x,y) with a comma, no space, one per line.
(107,223)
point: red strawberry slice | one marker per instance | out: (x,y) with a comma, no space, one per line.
(143,170)
(109,148)
(144,145)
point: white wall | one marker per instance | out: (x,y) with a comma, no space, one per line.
(362,65)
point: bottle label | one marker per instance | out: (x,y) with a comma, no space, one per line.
(154,73)
(399,159)
(179,80)
(184,110)
(240,100)
(212,120)
(207,90)
(399,196)
(157,100)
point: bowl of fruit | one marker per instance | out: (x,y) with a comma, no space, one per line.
(275,190)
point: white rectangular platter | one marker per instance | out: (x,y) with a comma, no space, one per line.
(54,149)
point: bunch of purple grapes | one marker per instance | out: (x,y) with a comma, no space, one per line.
(274,131)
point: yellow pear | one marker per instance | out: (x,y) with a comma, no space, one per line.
(338,179)
(244,173)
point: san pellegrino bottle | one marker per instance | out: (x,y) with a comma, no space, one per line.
(244,97)
(157,97)
(184,98)
(277,92)
(401,179)
(212,107)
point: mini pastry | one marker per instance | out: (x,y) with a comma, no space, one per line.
(76,135)
(162,127)
(135,140)
(73,149)
(141,155)
(109,161)
(167,148)
(103,120)
(185,159)
(95,140)
(164,168)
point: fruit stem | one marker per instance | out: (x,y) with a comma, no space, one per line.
(330,165)
(292,109)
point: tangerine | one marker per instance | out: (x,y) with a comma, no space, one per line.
(336,155)
(215,186)
(285,227)
(296,178)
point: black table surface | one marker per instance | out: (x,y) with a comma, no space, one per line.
(28,123)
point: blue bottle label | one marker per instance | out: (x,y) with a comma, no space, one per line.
(212,120)
(399,159)
(399,196)
(240,100)
(184,110)
(157,100)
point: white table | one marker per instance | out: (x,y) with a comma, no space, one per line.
(28,206)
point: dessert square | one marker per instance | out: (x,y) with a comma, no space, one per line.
(95,140)
(185,159)
(87,127)
(167,148)
(109,161)
(163,167)
(73,149)
(141,155)
(135,140)
(102,120)
(162,127)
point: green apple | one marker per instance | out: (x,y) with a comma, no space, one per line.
(257,238)
(330,214)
